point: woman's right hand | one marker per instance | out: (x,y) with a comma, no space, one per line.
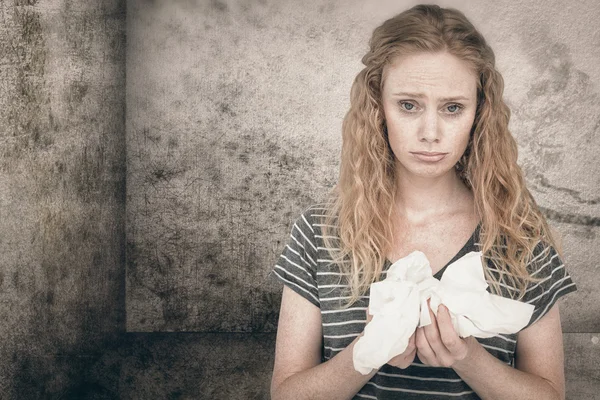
(403,360)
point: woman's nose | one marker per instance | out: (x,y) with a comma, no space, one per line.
(430,127)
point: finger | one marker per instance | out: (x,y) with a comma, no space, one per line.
(411,339)
(432,334)
(410,357)
(455,345)
(403,360)
(407,357)
(424,351)
(411,344)
(411,350)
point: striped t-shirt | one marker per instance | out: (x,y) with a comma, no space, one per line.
(305,266)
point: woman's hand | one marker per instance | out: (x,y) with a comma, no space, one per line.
(406,358)
(438,344)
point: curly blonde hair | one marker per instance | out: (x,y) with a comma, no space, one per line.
(358,227)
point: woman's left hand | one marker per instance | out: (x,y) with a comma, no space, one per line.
(438,344)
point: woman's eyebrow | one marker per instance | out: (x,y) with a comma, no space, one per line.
(441,99)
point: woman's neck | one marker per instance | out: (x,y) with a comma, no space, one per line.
(419,200)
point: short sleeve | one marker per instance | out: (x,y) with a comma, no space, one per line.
(553,281)
(296,266)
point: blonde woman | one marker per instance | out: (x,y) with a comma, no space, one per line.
(428,164)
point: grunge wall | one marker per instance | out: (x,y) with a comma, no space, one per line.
(139,217)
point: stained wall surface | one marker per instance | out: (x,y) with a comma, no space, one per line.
(62,193)
(232,128)
(234,117)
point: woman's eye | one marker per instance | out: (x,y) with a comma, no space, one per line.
(407,106)
(453,108)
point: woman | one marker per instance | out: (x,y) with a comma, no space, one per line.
(427,164)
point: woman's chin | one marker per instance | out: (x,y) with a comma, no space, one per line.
(429,172)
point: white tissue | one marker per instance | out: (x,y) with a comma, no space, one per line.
(398,305)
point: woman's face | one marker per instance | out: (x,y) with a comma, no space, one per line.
(429,102)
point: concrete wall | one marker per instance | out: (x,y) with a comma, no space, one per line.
(62,202)
(232,128)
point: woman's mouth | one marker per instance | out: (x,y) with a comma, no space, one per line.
(428,156)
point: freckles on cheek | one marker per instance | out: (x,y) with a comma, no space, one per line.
(460,128)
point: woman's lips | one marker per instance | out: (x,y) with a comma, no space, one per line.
(429,157)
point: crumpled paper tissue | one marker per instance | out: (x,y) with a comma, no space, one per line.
(398,305)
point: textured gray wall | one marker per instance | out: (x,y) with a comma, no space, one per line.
(229,132)
(233,127)
(62,203)
(234,113)
(233,117)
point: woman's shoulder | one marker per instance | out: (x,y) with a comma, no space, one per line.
(316,211)
(315,217)
(300,261)
(310,225)
(544,260)
(551,279)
